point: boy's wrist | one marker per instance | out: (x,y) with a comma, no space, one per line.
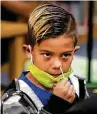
(57,105)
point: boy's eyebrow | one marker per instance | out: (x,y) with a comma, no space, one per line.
(42,50)
(69,51)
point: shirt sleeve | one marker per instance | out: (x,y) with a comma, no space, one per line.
(57,105)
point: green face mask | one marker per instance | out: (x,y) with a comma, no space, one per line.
(46,79)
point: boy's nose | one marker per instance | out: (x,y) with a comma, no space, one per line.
(57,64)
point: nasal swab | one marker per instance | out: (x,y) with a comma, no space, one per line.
(62,72)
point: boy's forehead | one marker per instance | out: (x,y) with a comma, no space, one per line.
(60,40)
(59,43)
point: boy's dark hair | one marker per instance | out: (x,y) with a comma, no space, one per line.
(49,20)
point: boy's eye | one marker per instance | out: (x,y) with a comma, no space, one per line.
(65,56)
(47,55)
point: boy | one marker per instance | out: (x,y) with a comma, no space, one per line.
(50,85)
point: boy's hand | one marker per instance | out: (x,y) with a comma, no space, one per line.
(65,90)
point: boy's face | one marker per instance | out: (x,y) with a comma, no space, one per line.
(53,53)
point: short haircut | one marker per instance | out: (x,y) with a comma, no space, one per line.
(48,20)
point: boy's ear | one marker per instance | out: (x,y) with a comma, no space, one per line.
(27,50)
(76,48)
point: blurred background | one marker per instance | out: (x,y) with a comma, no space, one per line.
(14,17)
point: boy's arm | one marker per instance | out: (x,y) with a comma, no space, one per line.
(57,105)
(62,99)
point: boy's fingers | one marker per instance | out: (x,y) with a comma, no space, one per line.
(54,85)
(63,82)
(72,99)
(70,92)
(66,87)
(60,84)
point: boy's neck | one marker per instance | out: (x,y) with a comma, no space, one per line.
(35,82)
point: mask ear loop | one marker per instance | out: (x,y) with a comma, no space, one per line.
(62,72)
(31,58)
